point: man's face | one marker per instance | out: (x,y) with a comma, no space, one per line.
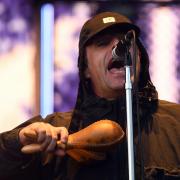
(108,79)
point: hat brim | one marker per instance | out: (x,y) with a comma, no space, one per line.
(121,26)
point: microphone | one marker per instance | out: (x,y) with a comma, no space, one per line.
(118,52)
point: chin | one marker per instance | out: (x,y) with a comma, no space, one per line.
(117,91)
(118,86)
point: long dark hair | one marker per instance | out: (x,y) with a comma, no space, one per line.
(147,94)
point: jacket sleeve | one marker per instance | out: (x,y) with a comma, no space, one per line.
(12,161)
(160,138)
(16,165)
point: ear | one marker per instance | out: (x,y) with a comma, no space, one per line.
(87,73)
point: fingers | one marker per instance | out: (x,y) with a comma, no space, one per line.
(50,139)
(63,138)
(59,152)
(63,134)
(46,136)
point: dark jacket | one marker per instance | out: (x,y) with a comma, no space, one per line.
(161,149)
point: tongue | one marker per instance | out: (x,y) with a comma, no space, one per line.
(115,70)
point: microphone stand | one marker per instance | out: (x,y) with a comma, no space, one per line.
(128,88)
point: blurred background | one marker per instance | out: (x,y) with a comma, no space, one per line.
(39,50)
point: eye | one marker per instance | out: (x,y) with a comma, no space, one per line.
(103,41)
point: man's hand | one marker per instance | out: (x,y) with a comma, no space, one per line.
(46,135)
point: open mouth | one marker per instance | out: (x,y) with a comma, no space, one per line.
(115,64)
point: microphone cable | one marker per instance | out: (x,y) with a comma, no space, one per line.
(136,90)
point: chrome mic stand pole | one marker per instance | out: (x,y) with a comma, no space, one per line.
(128,88)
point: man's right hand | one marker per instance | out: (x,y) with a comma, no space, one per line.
(46,135)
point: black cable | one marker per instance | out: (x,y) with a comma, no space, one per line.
(136,90)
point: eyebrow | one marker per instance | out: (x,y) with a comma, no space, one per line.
(104,37)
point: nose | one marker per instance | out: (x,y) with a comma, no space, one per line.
(114,43)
